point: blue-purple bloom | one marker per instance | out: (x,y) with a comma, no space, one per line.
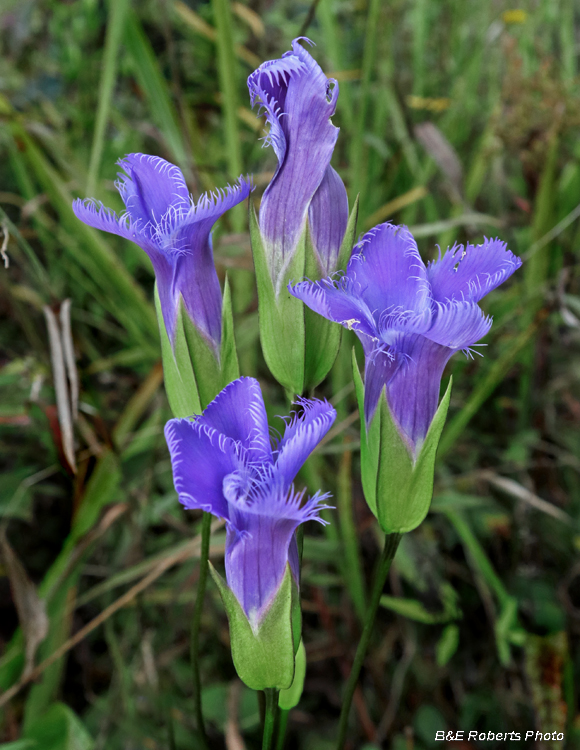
(162,218)
(410,318)
(298,101)
(224,463)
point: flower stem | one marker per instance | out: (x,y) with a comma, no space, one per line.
(282,723)
(382,571)
(270,717)
(195,627)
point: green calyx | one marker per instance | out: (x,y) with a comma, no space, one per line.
(397,486)
(192,372)
(264,652)
(299,345)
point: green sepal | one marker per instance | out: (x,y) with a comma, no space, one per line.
(321,336)
(263,654)
(230,369)
(349,237)
(203,359)
(290,697)
(397,488)
(178,375)
(404,487)
(281,315)
(369,442)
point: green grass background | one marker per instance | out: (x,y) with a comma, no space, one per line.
(481,621)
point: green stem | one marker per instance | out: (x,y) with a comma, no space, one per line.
(282,723)
(270,717)
(195,627)
(388,553)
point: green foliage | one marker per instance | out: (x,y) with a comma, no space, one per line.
(84,83)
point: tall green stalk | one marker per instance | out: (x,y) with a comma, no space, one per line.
(195,627)
(382,571)
(115,25)
(270,717)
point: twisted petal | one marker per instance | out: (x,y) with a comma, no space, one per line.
(149,186)
(380,366)
(201,459)
(390,271)
(471,272)
(298,101)
(328,217)
(260,543)
(302,435)
(238,413)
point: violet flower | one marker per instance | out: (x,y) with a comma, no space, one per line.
(410,318)
(298,101)
(223,463)
(162,218)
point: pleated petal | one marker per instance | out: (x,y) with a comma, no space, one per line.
(472,272)
(328,217)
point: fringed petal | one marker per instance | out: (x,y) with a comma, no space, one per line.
(302,434)
(338,300)
(149,186)
(201,458)
(238,412)
(458,325)
(472,272)
(389,269)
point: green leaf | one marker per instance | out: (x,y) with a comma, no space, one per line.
(263,654)
(415,610)
(20,745)
(281,315)
(290,697)
(447,644)
(59,728)
(178,375)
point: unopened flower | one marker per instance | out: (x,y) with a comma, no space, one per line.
(298,101)
(162,218)
(410,318)
(224,463)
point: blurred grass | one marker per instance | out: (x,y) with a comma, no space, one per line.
(83,83)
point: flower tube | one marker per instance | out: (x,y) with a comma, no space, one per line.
(223,463)
(410,319)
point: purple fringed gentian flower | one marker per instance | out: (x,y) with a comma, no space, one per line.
(298,102)
(175,232)
(223,463)
(410,318)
